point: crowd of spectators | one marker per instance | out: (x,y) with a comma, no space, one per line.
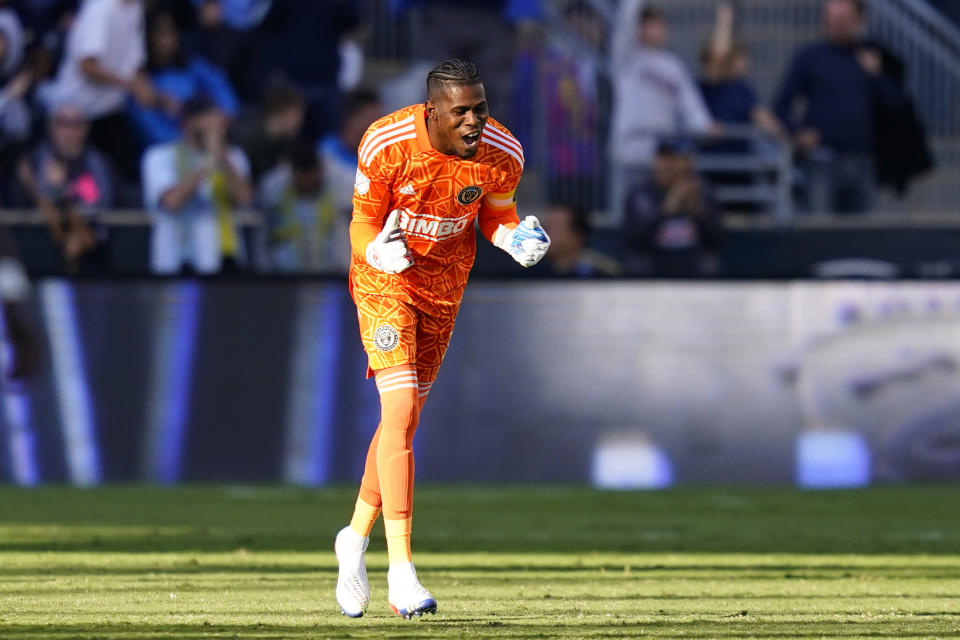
(195,110)
(841,109)
(192,110)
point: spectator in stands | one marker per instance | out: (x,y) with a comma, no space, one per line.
(468,30)
(654,95)
(569,255)
(734,105)
(572,90)
(102,66)
(69,182)
(726,90)
(672,227)
(49,22)
(329,30)
(226,36)
(19,328)
(177,77)
(840,81)
(15,82)
(192,187)
(269,133)
(338,151)
(307,233)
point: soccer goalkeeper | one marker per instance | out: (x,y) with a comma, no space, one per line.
(425,174)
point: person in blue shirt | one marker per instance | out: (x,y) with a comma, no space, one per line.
(840,81)
(177,77)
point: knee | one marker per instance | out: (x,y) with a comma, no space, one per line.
(400,412)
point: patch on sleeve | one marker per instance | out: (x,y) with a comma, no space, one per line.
(362,183)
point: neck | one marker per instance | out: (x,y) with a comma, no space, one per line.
(433,133)
(67,154)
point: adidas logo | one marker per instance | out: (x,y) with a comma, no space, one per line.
(407,190)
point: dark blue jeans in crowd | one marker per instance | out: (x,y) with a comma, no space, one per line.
(839,182)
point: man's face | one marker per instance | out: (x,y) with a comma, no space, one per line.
(164,38)
(559,224)
(460,112)
(286,123)
(355,124)
(654,33)
(841,21)
(202,127)
(588,26)
(668,167)
(68,131)
(307,180)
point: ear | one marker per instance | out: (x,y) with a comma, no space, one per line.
(431,110)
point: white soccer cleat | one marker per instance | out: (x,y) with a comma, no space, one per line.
(353,588)
(407,596)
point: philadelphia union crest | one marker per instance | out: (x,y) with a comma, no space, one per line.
(469,195)
(386,337)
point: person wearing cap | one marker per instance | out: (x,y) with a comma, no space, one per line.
(671,225)
(192,187)
(70,182)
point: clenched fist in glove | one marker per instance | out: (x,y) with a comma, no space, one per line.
(527,243)
(388,252)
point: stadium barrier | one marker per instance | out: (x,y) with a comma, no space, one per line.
(618,384)
(755,247)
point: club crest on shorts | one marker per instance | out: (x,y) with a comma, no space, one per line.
(386,338)
(469,195)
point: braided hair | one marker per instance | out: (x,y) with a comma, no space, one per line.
(453,71)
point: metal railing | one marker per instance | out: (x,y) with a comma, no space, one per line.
(772,31)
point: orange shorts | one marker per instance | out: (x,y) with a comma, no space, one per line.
(395,332)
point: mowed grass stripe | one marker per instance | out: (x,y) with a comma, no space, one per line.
(164,564)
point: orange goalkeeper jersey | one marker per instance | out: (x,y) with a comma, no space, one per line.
(439,198)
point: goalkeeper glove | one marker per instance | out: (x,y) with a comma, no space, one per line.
(388,252)
(527,243)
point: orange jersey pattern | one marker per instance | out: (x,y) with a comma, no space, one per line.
(394,332)
(439,198)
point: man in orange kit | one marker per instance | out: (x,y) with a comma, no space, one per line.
(425,174)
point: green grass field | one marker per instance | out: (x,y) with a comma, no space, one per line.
(256,563)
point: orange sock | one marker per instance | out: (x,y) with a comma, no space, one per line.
(370,484)
(399,414)
(364,515)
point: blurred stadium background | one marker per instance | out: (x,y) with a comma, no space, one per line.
(788,346)
(729,302)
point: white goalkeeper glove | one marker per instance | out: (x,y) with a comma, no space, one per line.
(388,252)
(527,243)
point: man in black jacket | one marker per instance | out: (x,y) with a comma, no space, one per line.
(841,81)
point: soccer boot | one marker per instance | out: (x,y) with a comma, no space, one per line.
(407,596)
(353,588)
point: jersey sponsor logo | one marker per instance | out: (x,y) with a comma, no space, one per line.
(469,195)
(407,190)
(421,225)
(361,183)
(386,338)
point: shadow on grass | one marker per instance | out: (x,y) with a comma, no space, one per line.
(575,571)
(912,520)
(488,628)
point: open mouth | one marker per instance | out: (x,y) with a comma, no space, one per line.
(471,140)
